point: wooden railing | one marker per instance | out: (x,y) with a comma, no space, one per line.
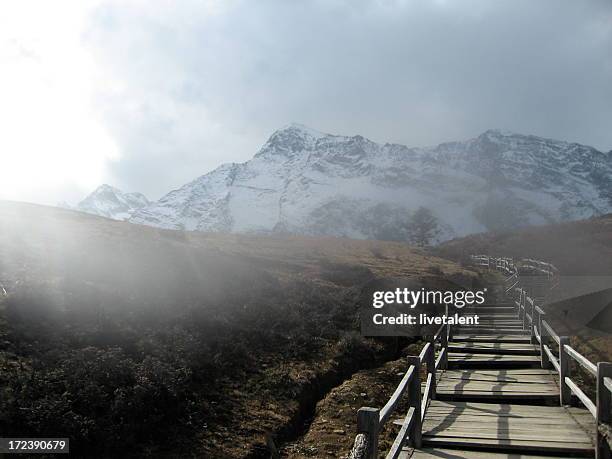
(540,266)
(557,353)
(370,421)
(505,265)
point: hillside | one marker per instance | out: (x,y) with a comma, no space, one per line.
(164,343)
(576,248)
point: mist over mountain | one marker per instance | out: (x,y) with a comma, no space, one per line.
(307,182)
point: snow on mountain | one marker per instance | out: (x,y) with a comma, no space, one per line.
(110,202)
(306,182)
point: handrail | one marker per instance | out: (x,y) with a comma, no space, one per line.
(552,359)
(424,352)
(441,356)
(398,444)
(586,401)
(439,332)
(386,411)
(582,360)
(426,395)
(550,331)
(370,420)
(536,334)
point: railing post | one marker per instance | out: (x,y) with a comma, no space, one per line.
(604,408)
(368,423)
(543,355)
(431,365)
(414,399)
(444,345)
(525,312)
(533,323)
(564,365)
(450,330)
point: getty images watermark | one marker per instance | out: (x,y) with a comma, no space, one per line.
(415,312)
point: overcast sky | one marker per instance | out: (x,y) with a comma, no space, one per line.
(147,95)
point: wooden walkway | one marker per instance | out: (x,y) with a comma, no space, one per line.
(500,388)
(496,401)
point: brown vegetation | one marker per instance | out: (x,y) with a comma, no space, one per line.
(577,248)
(134,341)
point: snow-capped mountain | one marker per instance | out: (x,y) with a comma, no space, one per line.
(307,182)
(110,202)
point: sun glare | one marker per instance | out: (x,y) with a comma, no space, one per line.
(51,140)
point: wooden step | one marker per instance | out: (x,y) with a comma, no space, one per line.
(487,315)
(494,348)
(496,318)
(439,453)
(485,361)
(517,386)
(494,331)
(499,324)
(500,338)
(507,428)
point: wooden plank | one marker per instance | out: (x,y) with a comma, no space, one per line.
(467,356)
(474,329)
(483,360)
(516,421)
(494,388)
(509,375)
(494,323)
(448,381)
(556,433)
(506,427)
(513,371)
(542,437)
(498,386)
(544,412)
(498,408)
(493,315)
(496,348)
(583,449)
(453,376)
(493,338)
(439,453)
(485,424)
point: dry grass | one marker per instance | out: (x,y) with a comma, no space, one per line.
(262,325)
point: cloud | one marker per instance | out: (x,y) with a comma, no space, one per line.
(51,145)
(183,87)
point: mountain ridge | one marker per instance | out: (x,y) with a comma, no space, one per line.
(110,202)
(307,182)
